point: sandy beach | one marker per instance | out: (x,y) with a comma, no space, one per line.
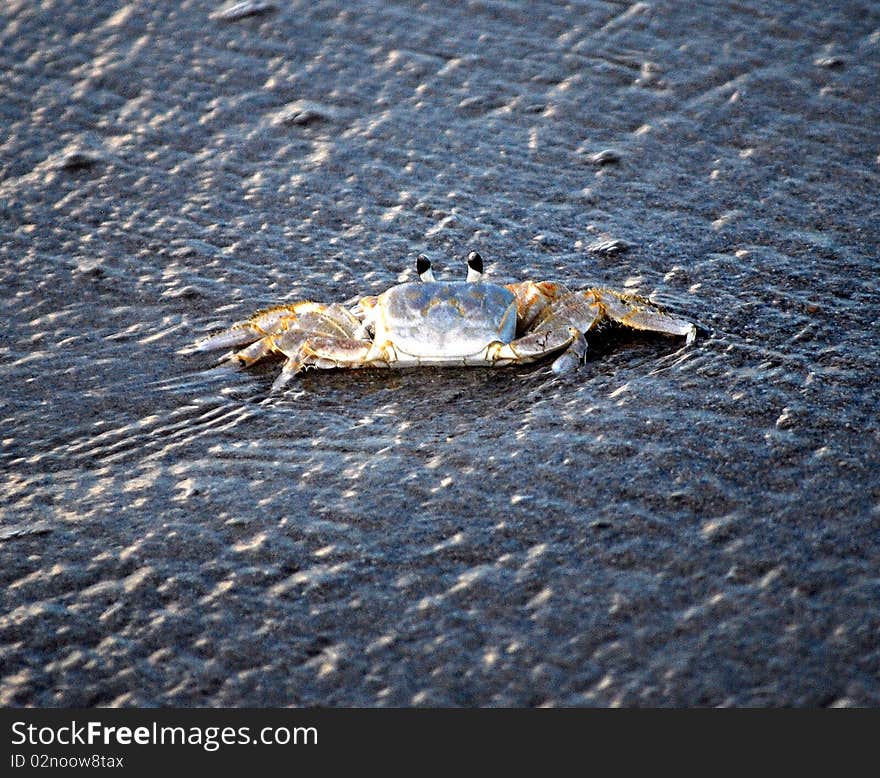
(656,528)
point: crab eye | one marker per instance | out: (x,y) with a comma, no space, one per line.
(475,266)
(423,268)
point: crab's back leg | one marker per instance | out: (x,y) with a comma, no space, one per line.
(284,329)
(269,321)
(239,334)
(257,326)
(322,351)
(641,314)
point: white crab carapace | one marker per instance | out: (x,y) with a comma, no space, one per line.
(440,323)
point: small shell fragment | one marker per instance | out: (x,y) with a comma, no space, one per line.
(608,248)
(604,157)
(243,10)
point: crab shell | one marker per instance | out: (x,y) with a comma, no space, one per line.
(441,322)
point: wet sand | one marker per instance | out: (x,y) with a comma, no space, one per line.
(667,529)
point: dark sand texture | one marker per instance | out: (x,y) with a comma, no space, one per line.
(650,530)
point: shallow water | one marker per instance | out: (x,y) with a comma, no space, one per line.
(660,527)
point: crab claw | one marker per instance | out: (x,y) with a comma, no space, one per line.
(572,356)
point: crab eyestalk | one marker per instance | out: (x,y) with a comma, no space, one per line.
(423,268)
(475,266)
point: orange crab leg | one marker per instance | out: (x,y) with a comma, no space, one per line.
(642,314)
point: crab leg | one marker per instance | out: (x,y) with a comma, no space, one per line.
(323,352)
(641,314)
(262,323)
(533,301)
(253,353)
(283,330)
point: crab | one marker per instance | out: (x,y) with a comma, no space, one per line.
(441,323)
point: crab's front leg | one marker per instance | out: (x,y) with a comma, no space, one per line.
(640,314)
